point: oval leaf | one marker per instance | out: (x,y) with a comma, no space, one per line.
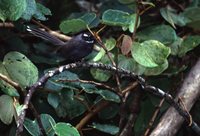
(188,44)
(12,9)
(6,109)
(126,44)
(109,96)
(30,10)
(73,25)
(163,33)
(107,128)
(48,123)
(20,69)
(110,44)
(32,127)
(150,53)
(116,18)
(65,129)
(192,17)
(41,12)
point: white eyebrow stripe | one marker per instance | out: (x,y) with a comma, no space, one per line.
(86,35)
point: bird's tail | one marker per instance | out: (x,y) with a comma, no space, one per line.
(44,35)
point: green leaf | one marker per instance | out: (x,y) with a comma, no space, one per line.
(126,63)
(73,25)
(100,74)
(64,76)
(77,25)
(48,124)
(192,16)
(116,18)
(110,44)
(171,17)
(12,9)
(41,12)
(88,18)
(109,96)
(53,100)
(131,65)
(32,127)
(6,87)
(30,10)
(156,70)
(131,26)
(106,128)
(150,53)
(6,109)
(65,129)
(119,18)
(163,33)
(100,55)
(188,44)
(70,106)
(175,46)
(20,69)
(106,94)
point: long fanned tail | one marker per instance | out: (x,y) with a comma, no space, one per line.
(44,35)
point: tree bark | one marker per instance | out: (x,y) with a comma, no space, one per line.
(189,92)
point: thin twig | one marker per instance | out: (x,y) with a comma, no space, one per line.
(130,87)
(89,82)
(9,81)
(153,117)
(7,24)
(133,111)
(99,107)
(100,42)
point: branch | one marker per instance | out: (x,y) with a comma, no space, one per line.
(93,112)
(9,81)
(189,93)
(7,24)
(121,72)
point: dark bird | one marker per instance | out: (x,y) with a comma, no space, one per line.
(73,50)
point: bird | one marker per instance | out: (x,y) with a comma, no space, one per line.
(77,48)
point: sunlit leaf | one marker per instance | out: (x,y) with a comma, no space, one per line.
(20,69)
(12,9)
(150,53)
(65,129)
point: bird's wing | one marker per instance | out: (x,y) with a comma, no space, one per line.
(44,35)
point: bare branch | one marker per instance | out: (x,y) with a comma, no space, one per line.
(171,122)
(122,72)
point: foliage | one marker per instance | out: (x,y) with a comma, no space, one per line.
(158,39)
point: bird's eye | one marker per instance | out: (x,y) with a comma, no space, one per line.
(88,37)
